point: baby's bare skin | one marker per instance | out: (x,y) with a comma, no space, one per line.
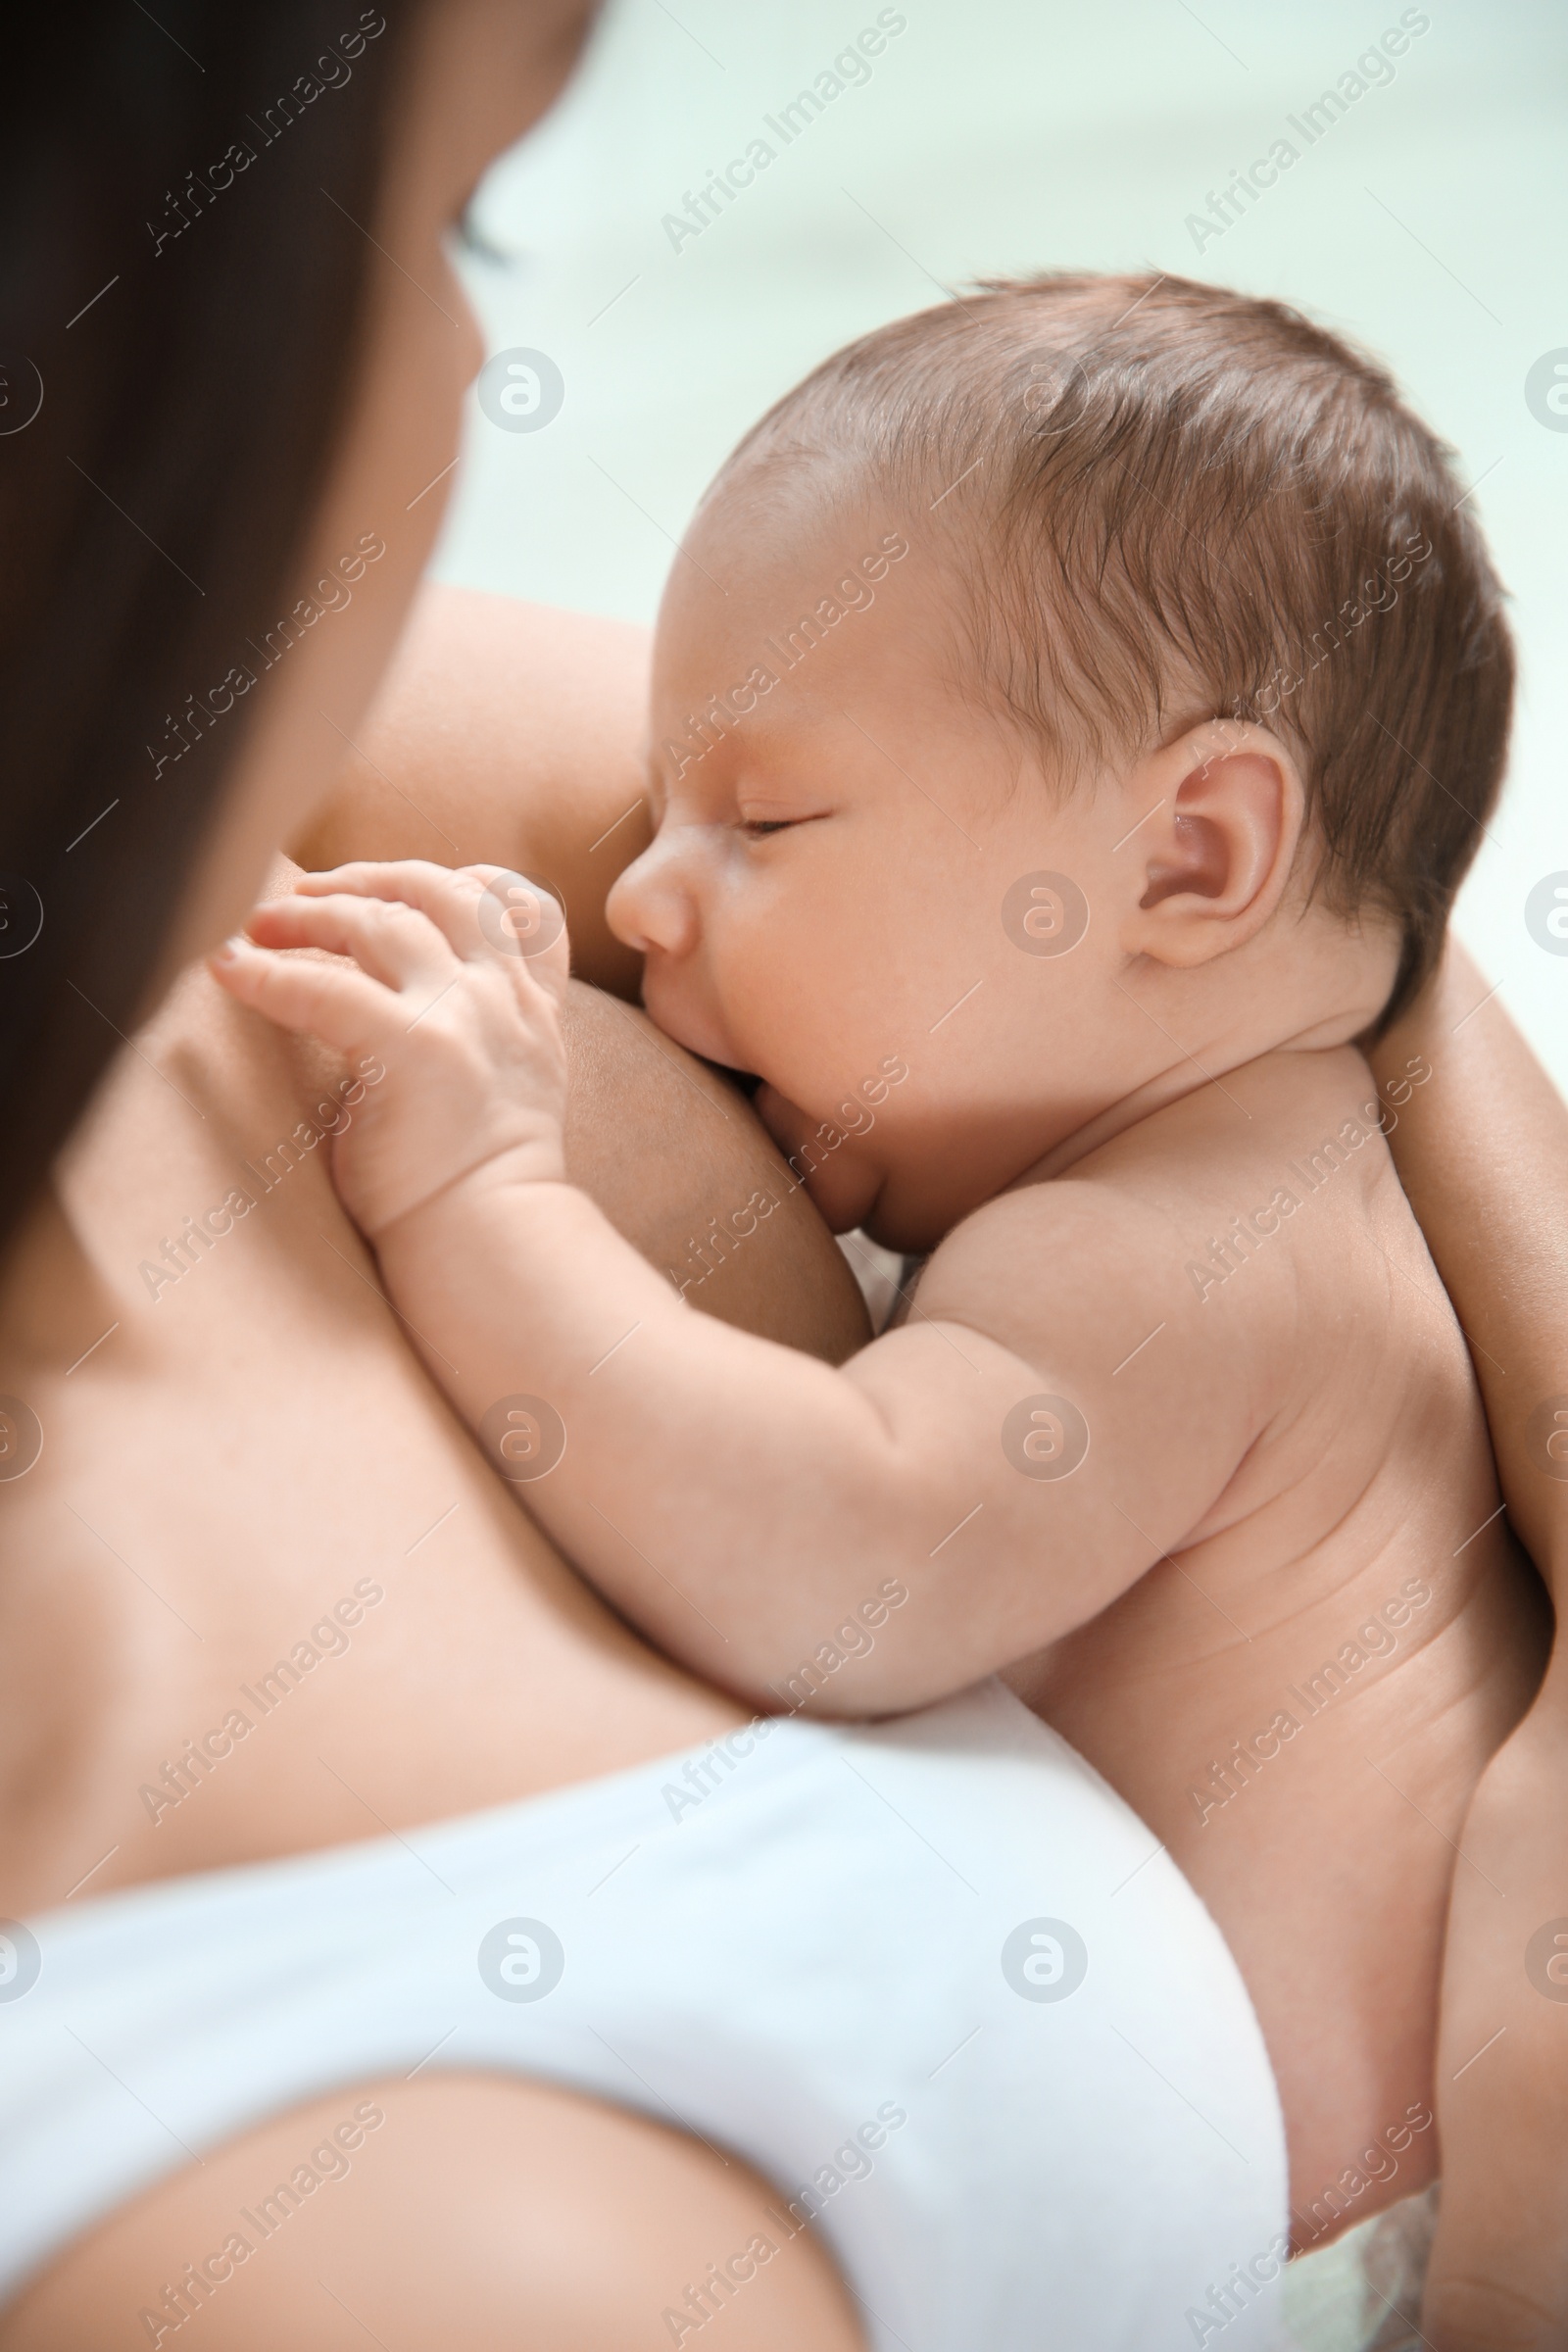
(1352,1527)
(1253,1468)
(1330,1601)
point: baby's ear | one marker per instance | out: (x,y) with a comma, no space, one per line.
(1216,850)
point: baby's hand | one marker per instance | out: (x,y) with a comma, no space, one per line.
(457,991)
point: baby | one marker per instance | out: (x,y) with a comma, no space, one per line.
(1074,710)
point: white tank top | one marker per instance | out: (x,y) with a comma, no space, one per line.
(931,1976)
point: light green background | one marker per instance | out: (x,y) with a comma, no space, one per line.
(1018,134)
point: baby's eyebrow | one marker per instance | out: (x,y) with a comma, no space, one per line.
(783,803)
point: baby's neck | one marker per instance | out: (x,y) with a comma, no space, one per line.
(1164,1034)
(1182,1071)
(1155,1094)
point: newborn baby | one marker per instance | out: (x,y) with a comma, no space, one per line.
(1074,711)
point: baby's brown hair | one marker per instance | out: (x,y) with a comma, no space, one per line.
(1171,501)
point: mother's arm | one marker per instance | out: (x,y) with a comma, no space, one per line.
(1482,1147)
(1483,1150)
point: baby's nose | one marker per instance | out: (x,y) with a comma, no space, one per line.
(650,905)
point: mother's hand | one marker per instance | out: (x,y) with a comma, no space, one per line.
(1482,1147)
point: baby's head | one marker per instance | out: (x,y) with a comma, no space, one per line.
(1086,681)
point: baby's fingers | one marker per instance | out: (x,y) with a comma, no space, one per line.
(478,907)
(391,940)
(483,911)
(445,895)
(521,921)
(330,1000)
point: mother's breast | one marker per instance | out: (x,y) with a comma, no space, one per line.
(258,1591)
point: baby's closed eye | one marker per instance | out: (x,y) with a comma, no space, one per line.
(758,818)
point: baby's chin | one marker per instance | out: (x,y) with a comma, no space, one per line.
(915,1208)
(887,1232)
(841,1183)
(892,1227)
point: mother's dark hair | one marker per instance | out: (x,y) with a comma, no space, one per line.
(190,319)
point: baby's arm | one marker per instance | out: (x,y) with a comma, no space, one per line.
(741,1501)
(1483,1150)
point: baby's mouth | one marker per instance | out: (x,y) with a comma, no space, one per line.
(672,1011)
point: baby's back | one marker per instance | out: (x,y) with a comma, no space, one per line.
(1300,1696)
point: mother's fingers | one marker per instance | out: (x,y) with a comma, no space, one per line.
(392,943)
(1484,2313)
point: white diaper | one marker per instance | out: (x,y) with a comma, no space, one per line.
(1364,2293)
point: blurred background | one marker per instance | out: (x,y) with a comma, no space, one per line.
(1425,218)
